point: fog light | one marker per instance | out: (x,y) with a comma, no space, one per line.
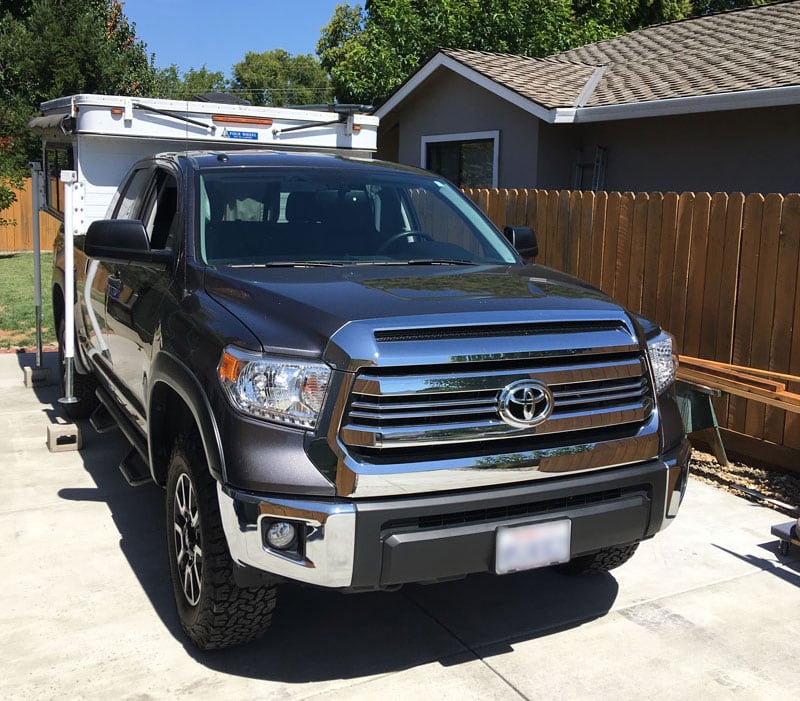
(281,535)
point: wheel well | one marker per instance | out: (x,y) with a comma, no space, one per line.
(169,417)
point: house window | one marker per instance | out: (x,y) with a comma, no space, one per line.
(468,160)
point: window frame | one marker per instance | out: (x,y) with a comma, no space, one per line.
(464,136)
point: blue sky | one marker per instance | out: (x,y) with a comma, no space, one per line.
(218,33)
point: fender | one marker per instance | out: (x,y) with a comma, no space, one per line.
(168,370)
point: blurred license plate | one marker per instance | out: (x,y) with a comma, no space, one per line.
(535,545)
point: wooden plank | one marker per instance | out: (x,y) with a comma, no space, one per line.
(572,240)
(713,275)
(760,385)
(649,297)
(680,276)
(585,236)
(729,286)
(696,281)
(622,263)
(598,237)
(785,284)
(609,268)
(785,400)
(510,207)
(519,216)
(749,370)
(666,257)
(746,294)
(637,252)
(554,256)
(496,207)
(764,303)
(791,227)
(542,198)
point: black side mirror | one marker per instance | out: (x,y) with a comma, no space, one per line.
(523,239)
(122,240)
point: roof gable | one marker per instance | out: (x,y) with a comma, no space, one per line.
(738,59)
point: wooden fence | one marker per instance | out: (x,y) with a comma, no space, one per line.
(718,271)
(19,236)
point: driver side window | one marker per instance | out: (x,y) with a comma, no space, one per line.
(160,216)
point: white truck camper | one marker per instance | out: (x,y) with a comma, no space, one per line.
(89,142)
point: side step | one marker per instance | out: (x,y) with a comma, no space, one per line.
(134,469)
(101,420)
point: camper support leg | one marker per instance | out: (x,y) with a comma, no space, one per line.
(71,221)
(36,194)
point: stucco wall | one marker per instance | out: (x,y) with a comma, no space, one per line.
(447,103)
(754,150)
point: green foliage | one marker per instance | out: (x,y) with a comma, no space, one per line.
(277,78)
(369,51)
(50,48)
(17,311)
(193,82)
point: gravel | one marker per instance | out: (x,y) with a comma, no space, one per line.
(762,485)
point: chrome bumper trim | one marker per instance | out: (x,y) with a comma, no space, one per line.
(329,547)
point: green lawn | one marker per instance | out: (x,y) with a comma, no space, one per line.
(17,314)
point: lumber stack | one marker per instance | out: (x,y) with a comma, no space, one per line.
(751,383)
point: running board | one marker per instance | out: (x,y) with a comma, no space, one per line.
(101,420)
(134,469)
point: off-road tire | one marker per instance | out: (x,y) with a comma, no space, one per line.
(222,613)
(83,386)
(599,562)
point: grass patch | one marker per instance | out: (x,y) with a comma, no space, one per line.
(17,312)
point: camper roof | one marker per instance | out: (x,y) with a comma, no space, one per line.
(198,122)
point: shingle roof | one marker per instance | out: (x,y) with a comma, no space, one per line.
(748,49)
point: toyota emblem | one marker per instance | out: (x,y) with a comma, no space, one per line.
(524,403)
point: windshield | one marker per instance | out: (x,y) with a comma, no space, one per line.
(296,216)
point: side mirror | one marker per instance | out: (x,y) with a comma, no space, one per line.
(523,239)
(123,241)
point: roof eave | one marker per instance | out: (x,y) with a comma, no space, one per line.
(743,99)
(441,60)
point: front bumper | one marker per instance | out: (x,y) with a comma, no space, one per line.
(383,542)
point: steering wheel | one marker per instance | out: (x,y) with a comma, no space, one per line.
(411,235)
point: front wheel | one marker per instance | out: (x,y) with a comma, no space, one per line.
(601,561)
(214,611)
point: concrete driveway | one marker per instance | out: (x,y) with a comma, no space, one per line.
(707,608)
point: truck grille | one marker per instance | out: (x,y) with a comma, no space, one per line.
(456,403)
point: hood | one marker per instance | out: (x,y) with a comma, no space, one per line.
(298,309)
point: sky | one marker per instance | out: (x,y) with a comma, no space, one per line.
(218,33)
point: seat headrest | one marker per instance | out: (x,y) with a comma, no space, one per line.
(302,207)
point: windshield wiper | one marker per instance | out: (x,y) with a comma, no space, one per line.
(289,264)
(441,261)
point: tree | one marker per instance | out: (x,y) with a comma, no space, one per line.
(371,50)
(278,79)
(194,82)
(50,48)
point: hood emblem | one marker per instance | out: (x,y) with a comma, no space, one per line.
(524,403)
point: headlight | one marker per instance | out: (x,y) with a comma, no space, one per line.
(663,360)
(286,390)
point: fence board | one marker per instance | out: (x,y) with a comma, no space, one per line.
(680,275)
(696,280)
(572,248)
(637,252)
(745,309)
(669,230)
(599,208)
(655,205)
(623,252)
(791,228)
(608,270)
(585,236)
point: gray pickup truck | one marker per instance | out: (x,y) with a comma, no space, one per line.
(343,374)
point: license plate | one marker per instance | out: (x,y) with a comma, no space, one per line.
(533,545)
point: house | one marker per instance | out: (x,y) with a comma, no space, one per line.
(706,104)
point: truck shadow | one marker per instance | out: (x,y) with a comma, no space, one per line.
(325,635)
